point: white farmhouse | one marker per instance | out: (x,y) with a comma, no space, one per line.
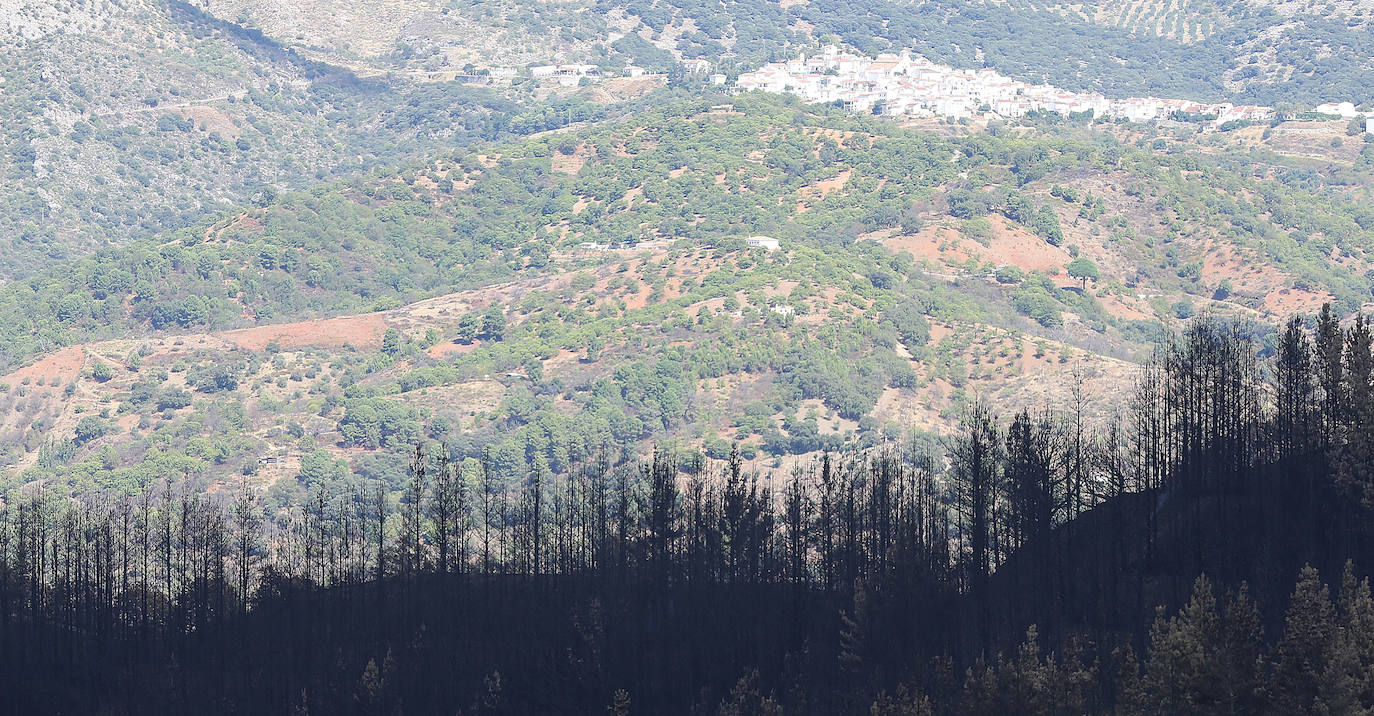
(763,242)
(1344,110)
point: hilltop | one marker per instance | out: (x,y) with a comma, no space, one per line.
(549,296)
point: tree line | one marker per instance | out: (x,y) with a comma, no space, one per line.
(1021,567)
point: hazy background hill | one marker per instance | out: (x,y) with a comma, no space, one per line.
(126,119)
(136,116)
(1251,51)
(539,298)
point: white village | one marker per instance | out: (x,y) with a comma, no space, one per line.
(909,85)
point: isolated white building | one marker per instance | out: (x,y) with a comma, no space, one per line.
(764,242)
(1344,110)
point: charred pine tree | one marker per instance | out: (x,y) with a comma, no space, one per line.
(1297,457)
(443,508)
(826,520)
(663,515)
(975,472)
(797,520)
(247,533)
(1033,492)
(1329,347)
(487,489)
(412,516)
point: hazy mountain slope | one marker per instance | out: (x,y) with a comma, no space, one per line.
(1301,59)
(137,116)
(125,119)
(430,34)
(915,273)
(434,34)
(1246,51)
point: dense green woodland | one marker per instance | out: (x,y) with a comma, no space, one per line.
(1016,568)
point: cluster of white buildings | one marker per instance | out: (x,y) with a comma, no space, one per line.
(907,85)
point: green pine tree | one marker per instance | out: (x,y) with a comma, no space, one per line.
(1308,639)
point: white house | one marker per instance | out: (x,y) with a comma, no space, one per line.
(1344,110)
(542,71)
(763,242)
(849,64)
(633,71)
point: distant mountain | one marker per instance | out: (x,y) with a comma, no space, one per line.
(125,119)
(1247,51)
(132,117)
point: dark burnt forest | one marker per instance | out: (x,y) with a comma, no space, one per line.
(1204,552)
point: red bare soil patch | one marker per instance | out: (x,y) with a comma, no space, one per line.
(1119,307)
(360,331)
(822,188)
(1009,245)
(623,88)
(64,365)
(1223,263)
(1258,279)
(1291,301)
(444,350)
